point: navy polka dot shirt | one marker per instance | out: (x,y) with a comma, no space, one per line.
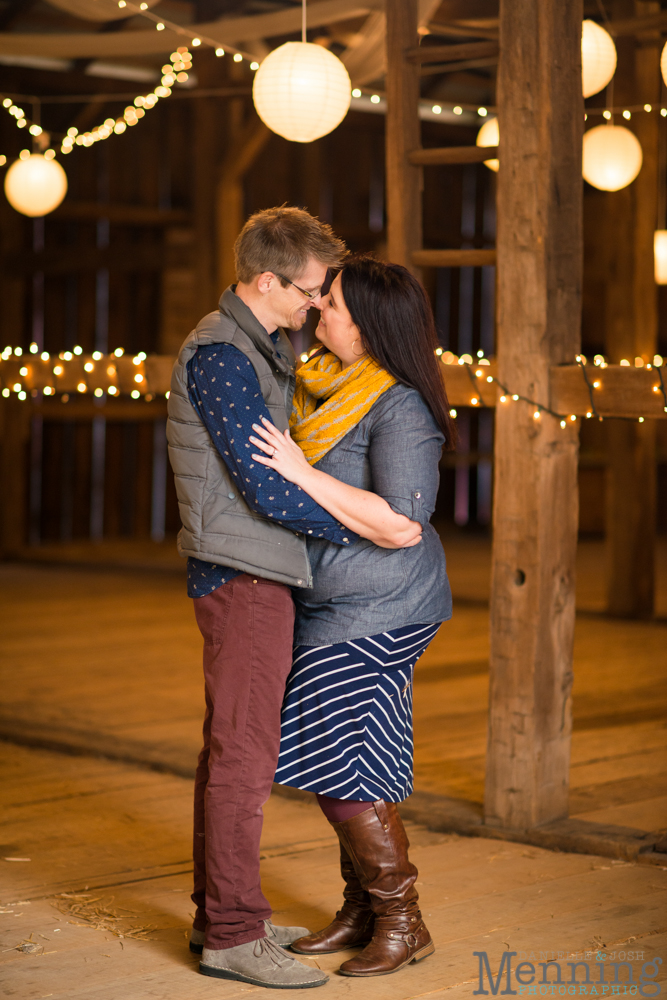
(224,390)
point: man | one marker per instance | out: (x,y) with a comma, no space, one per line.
(243,532)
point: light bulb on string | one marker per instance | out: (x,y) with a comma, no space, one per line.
(98,10)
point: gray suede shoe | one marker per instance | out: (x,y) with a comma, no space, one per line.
(260,963)
(282,936)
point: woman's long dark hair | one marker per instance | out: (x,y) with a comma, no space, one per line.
(395,320)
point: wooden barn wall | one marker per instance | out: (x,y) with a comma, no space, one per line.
(106,284)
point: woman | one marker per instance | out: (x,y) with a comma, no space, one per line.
(369,422)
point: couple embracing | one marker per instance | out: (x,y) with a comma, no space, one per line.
(305,499)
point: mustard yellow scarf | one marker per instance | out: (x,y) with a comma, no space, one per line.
(348,395)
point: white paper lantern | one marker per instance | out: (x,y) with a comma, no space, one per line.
(598,58)
(302,91)
(663,63)
(612,157)
(35,186)
(660,256)
(489,135)
(97,10)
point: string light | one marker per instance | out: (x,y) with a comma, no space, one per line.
(141,384)
(449,358)
(142,103)
(627,112)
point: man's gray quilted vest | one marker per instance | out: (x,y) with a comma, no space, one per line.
(218,525)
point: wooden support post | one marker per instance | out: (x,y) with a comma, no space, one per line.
(248,142)
(206,123)
(402,135)
(632,330)
(535,494)
(14,436)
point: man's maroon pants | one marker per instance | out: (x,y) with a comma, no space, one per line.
(248,626)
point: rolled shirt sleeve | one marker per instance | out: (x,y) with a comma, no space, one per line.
(224,390)
(405,448)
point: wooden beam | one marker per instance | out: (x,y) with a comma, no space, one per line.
(205,154)
(535,491)
(402,134)
(454,258)
(452,154)
(456,29)
(621,392)
(118,411)
(230,30)
(638,25)
(457,67)
(246,144)
(67,259)
(451,53)
(127,215)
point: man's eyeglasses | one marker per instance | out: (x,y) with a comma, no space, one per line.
(309,295)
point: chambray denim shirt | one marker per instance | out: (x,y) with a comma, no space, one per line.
(363,589)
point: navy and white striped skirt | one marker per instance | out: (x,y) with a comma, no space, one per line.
(346,727)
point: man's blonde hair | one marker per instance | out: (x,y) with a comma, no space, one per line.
(283,240)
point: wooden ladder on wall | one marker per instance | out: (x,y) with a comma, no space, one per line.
(540,247)
(405,158)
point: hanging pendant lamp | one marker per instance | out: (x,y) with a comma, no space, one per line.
(612,157)
(302,91)
(598,58)
(35,186)
(660,256)
(489,135)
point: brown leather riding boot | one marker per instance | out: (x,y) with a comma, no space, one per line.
(377,843)
(352,925)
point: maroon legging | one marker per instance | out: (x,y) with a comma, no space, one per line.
(338,810)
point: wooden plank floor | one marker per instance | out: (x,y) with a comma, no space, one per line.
(116,837)
(109,662)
